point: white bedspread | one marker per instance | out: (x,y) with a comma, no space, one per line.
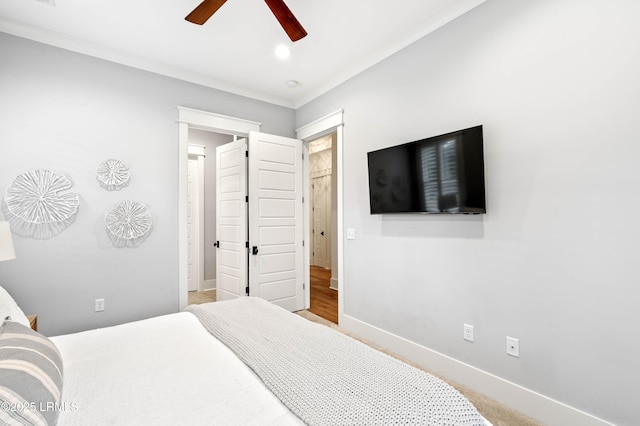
(161,371)
(327,378)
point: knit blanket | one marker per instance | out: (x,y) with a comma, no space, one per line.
(328,378)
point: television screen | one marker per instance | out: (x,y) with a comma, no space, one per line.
(440,174)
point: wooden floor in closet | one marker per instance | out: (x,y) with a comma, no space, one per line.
(324,300)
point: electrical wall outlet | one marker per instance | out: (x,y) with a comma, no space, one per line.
(468,333)
(99,305)
(513,347)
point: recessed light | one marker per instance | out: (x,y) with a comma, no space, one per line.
(283,52)
(292,83)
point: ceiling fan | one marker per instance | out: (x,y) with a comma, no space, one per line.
(289,23)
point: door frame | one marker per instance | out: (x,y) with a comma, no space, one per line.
(197,119)
(330,123)
(189,118)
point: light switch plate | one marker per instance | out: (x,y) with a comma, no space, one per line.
(351,234)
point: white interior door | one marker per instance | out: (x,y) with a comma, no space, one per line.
(321,228)
(231,220)
(276,223)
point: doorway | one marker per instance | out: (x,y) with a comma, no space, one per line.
(323,285)
(201,210)
(190,119)
(320,176)
(193,122)
(332,124)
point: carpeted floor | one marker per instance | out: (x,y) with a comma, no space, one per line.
(496,413)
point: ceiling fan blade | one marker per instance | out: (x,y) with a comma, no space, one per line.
(204,11)
(289,22)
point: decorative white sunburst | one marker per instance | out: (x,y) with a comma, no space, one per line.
(36,205)
(113,174)
(128,223)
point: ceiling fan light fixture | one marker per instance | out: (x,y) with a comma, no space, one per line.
(282,51)
(283,14)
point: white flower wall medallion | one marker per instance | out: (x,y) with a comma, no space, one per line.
(128,223)
(38,204)
(113,175)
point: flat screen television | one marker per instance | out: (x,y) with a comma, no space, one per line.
(440,174)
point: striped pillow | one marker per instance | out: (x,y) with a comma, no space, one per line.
(30,376)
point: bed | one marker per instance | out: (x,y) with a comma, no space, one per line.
(239,362)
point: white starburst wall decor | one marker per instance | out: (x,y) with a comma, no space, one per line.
(128,223)
(38,204)
(113,175)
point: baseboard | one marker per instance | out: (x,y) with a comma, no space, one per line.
(333,283)
(208,285)
(530,403)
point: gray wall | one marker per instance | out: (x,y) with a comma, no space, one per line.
(555,83)
(68,112)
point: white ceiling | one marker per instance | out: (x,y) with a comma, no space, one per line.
(233,51)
